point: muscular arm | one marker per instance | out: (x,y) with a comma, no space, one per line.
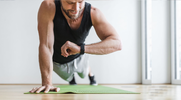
(45,28)
(110,39)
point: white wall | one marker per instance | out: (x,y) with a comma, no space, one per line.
(19,43)
(161,61)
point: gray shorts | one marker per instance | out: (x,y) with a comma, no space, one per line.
(66,71)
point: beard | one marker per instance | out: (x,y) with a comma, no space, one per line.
(75,16)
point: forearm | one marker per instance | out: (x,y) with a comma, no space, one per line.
(106,46)
(46,64)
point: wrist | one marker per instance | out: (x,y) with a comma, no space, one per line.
(86,49)
(46,83)
(82,49)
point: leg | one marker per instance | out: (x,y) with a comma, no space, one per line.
(84,70)
(92,78)
(73,82)
(90,73)
(63,71)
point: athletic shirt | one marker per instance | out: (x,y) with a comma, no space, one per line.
(63,32)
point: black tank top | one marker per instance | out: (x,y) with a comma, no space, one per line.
(63,32)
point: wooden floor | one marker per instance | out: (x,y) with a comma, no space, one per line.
(148,92)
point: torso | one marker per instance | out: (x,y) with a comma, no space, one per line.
(74,24)
(68,30)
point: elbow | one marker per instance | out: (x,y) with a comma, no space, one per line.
(119,45)
(119,48)
(43,47)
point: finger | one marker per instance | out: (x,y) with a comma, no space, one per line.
(33,90)
(63,49)
(65,55)
(40,89)
(47,89)
(55,89)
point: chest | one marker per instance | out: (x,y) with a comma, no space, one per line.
(75,25)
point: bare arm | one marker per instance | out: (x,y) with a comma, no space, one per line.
(110,39)
(46,36)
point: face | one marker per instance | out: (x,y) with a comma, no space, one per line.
(73,8)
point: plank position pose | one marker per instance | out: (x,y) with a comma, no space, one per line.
(63,26)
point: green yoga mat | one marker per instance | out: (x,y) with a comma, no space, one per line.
(87,89)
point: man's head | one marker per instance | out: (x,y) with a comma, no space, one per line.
(73,8)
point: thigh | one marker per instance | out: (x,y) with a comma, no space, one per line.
(82,65)
(65,71)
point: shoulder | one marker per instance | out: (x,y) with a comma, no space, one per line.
(47,8)
(96,15)
(94,9)
(48,3)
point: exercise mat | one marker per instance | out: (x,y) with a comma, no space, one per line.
(86,89)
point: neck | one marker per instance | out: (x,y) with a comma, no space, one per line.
(69,19)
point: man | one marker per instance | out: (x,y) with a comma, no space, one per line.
(63,26)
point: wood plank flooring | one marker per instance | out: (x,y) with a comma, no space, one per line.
(148,92)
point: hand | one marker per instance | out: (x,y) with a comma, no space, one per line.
(47,88)
(70,48)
